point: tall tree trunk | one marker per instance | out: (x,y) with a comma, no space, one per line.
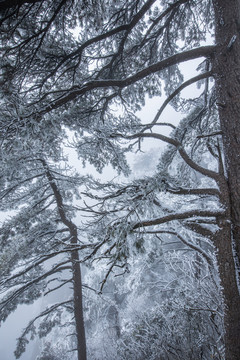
(226,268)
(76,269)
(226,66)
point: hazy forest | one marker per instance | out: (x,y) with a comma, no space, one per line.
(120,179)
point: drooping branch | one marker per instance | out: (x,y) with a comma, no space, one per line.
(20,348)
(44,313)
(185,242)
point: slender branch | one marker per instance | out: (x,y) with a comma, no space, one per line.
(203,191)
(178,216)
(106,276)
(44,313)
(43,259)
(58,287)
(209,135)
(19,291)
(176,92)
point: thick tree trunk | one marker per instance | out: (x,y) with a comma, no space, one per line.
(227,74)
(226,67)
(230,292)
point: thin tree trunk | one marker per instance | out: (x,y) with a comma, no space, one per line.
(77,295)
(226,67)
(76,269)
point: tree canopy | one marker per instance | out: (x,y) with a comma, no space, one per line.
(87,67)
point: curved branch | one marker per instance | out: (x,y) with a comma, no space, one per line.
(29,326)
(182,152)
(203,51)
(176,92)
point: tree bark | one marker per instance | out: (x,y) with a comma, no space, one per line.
(226,68)
(227,270)
(77,297)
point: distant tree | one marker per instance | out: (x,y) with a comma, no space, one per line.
(123,52)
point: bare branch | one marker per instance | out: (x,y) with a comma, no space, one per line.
(58,287)
(209,135)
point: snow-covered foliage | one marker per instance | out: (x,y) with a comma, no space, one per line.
(149,245)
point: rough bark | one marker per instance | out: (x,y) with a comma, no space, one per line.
(227,74)
(226,67)
(227,271)
(226,268)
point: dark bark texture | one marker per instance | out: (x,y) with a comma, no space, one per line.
(226,67)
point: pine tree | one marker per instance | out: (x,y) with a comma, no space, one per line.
(123,52)
(40,242)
